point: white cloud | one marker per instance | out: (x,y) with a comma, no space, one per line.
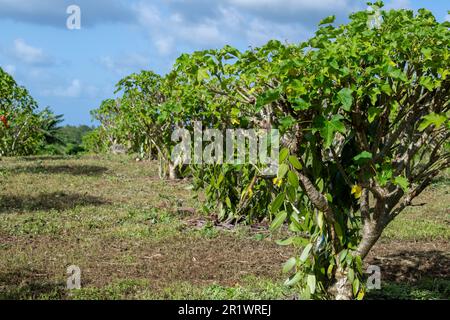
(447,17)
(71,91)
(176,26)
(289,5)
(260,31)
(125,64)
(204,34)
(397,4)
(147,15)
(75,89)
(28,54)
(172,31)
(164,45)
(53,12)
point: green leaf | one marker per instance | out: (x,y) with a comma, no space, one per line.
(373,113)
(362,157)
(402,182)
(285,242)
(288,265)
(296,226)
(330,271)
(278,221)
(311,281)
(282,170)
(295,162)
(346,98)
(386,88)
(339,232)
(351,275)
(283,154)
(294,279)
(268,97)
(427,53)
(427,82)
(228,202)
(385,175)
(305,252)
(202,74)
(355,286)
(293,179)
(291,193)
(299,104)
(359,264)
(287,122)
(301,242)
(334,64)
(306,294)
(277,202)
(320,220)
(329,19)
(343,255)
(330,127)
(432,119)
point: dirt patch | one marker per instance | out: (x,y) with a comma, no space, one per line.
(411,261)
(223,260)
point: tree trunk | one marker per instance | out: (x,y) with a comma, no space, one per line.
(342,288)
(371,233)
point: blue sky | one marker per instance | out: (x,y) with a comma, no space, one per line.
(72,71)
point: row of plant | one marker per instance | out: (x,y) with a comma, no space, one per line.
(363,114)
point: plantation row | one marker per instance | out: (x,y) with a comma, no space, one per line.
(363,114)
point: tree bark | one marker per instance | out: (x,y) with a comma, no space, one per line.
(342,288)
(371,234)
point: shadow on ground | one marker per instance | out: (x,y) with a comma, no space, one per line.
(412,266)
(43,158)
(29,284)
(79,170)
(409,274)
(48,201)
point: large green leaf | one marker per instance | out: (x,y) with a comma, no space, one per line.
(432,119)
(278,221)
(330,127)
(345,97)
(305,252)
(288,265)
(277,202)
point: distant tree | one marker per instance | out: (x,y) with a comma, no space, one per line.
(20,130)
(50,126)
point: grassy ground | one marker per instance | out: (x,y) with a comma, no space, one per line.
(124,228)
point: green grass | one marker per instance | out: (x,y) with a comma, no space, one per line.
(119,223)
(250,289)
(425,289)
(428,218)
